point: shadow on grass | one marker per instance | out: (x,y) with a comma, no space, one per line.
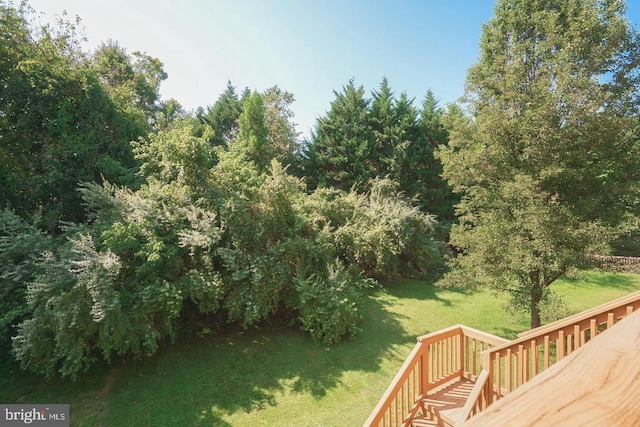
(201,381)
(596,278)
(416,289)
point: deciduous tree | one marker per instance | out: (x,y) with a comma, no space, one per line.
(549,160)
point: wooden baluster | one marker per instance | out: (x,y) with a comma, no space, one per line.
(460,353)
(453,356)
(547,349)
(443,359)
(507,371)
(432,360)
(534,358)
(466,358)
(576,337)
(423,372)
(498,371)
(560,346)
(404,404)
(524,364)
(610,320)
(450,356)
(443,347)
(394,412)
(475,352)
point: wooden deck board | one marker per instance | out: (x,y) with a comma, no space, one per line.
(447,401)
(595,385)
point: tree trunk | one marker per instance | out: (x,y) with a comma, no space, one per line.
(536,297)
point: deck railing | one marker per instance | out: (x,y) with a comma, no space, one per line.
(507,366)
(436,359)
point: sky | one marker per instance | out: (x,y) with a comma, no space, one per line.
(309,48)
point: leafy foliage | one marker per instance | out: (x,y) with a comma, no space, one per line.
(210,233)
(163,216)
(21,245)
(548,166)
(331,307)
(67,117)
(379,233)
(223,116)
(339,154)
(362,139)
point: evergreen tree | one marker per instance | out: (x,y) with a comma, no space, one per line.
(421,177)
(223,116)
(385,131)
(338,155)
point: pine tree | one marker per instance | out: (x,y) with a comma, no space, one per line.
(339,153)
(385,131)
(223,116)
(421,176)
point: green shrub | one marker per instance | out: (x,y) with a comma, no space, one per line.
(380,232)
(330,307)
(21,245)
(223,239)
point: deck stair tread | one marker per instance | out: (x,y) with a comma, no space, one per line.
(446,402)
(424,421)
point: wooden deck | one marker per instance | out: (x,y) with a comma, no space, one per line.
(595,386)
(433,386)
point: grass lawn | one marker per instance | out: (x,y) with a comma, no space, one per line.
(268,378)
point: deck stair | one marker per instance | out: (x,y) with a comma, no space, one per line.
(456,373)
(445,404)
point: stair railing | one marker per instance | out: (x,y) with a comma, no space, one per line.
(510,365)
(436,359)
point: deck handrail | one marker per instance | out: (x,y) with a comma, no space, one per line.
(570,320)
(512,364)
(436,359)
(477,400)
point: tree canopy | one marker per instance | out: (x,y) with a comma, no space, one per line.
(126,221)
(361,139)
(548,163)
(67,116)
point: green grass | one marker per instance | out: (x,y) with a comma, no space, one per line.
(266,378)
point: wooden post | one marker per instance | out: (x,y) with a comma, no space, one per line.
(507,371)
(424,370)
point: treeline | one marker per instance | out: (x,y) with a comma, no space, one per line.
(127,221)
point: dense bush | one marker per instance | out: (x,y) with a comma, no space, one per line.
(20,247)
(380,232)
(210,233)
(329,307)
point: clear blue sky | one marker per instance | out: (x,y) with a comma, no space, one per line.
(307,47)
